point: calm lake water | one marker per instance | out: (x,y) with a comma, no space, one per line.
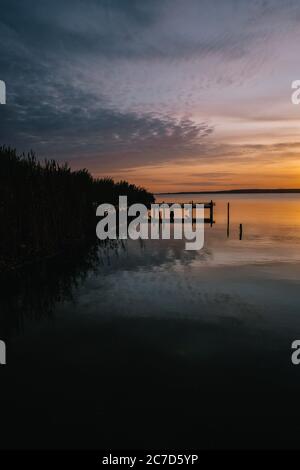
(145,344)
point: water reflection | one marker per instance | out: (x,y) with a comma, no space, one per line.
(31,293)
(134,269)
(142,329)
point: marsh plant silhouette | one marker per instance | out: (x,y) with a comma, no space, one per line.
(46,207)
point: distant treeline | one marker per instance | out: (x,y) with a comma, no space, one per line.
(45,207)
(240,191)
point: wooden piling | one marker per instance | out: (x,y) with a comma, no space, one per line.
(228,219)
(241,231)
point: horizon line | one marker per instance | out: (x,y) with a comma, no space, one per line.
(234,191)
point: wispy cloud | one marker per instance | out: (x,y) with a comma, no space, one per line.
(118,85)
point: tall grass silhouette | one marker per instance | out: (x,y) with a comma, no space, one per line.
(46,207)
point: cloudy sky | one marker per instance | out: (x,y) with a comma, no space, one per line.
(170,94)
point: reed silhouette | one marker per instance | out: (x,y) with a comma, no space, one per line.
(46,207)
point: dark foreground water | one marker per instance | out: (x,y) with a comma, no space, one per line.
(144,344)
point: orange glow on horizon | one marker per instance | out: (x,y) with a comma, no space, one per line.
(254,173)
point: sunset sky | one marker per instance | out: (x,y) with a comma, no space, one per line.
(171,94)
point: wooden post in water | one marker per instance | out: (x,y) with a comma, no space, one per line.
(228,218)
(211,213)
(241,231)
(193,210)
(163,213)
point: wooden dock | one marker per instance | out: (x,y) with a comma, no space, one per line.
(207,205)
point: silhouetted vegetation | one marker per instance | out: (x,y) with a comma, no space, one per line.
(46,207)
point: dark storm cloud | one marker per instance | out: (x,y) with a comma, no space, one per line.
(137,28)
(67,123)
(47,113)
(73,26)
(46,47)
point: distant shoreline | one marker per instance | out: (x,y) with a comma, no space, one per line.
(237,191)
